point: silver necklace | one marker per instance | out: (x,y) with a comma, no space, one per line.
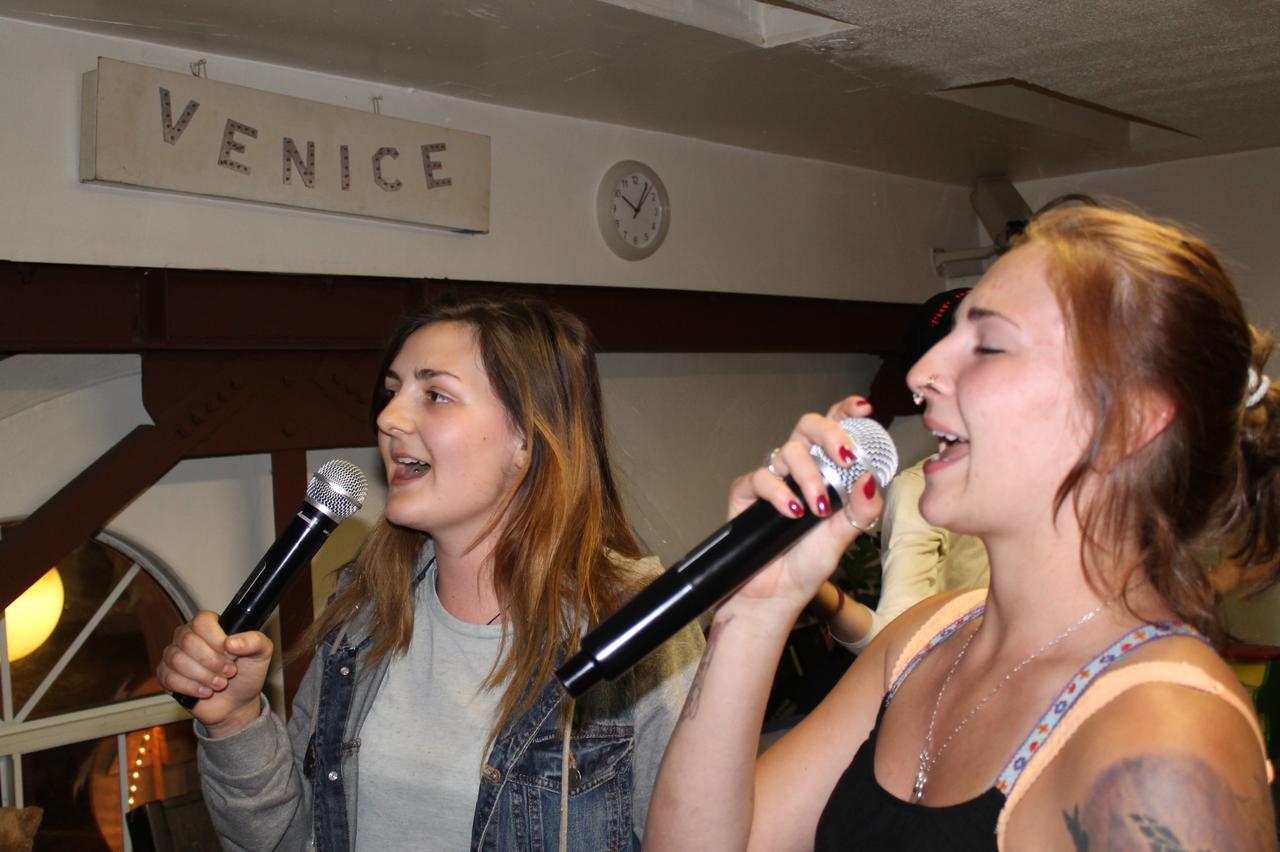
(926,762)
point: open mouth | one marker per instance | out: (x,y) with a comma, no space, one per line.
(408,467)
(950,446)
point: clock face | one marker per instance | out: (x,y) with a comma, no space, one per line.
(638,211)
(633,210)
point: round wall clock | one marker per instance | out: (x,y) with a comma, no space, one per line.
(633,210)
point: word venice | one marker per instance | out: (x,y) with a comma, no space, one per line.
(218,145)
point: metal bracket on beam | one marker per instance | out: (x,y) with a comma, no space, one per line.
(943,257)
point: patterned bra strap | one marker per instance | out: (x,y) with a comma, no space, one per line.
(1049,737)
(1078,686)
(949,618)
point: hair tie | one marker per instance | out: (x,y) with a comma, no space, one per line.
(1259,384)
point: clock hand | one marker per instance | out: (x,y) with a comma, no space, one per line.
(634,208)
(640,203)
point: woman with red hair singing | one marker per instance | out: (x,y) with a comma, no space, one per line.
(1105,427)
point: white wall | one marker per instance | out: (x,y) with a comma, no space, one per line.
(1233,202)
(741,221)
(683,426)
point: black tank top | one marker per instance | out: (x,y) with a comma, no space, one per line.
(863,815)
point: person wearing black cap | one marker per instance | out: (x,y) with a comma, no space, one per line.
(917,559)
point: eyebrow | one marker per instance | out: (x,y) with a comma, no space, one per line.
(975,314)
(423,374)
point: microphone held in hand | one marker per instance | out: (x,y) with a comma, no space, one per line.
(716,568)
(335,493)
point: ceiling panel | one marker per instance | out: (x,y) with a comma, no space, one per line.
(864,96)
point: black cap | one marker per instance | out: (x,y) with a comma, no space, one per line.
(931,323)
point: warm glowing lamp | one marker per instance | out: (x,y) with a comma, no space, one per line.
(31,618)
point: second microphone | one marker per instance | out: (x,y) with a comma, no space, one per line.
(335,493)
(718,566)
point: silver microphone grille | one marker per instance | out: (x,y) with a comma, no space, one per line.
(338,489)
(873,448)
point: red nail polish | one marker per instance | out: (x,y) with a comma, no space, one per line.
(870,488)
(796,508)
(824,508)
(847,456)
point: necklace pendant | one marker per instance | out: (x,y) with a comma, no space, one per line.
(917,792)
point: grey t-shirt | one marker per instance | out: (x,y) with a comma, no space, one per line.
(422,744)
(253,779)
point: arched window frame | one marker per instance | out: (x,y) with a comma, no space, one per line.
(18,736)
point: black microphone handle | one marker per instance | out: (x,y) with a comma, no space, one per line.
(293,549)
(710,573)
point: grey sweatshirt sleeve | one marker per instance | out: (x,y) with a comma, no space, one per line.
(253,783)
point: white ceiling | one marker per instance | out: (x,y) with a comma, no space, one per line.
(1087,85)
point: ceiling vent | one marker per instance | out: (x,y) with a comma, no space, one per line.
(1032,104)
(760,24)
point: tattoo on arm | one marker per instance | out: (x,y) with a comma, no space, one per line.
(1161,837)
(1079,837)
(1169,803)
(695,691)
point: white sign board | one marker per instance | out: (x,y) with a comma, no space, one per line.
(158,129)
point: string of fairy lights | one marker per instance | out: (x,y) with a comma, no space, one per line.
(135,775)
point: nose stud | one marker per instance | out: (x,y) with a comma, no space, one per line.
(917,395)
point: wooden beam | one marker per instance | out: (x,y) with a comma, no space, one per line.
(138,310)
(203,404)
(81,508)
(237,363)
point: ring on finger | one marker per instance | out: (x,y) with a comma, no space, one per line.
(853,522)
(768,462)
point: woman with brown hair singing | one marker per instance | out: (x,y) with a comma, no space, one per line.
(503,541)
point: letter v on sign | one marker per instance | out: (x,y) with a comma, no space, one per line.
(173,132)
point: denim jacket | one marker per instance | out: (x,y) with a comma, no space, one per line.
(272,787)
